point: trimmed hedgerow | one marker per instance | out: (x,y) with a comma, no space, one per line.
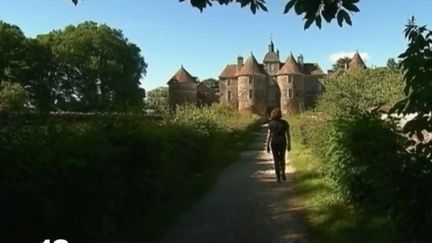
(85,180)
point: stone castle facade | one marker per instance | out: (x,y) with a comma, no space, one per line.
(249,86)
(183,88)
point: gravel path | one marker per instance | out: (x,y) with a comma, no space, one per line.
(246,204)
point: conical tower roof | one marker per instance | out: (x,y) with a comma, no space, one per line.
(290,66)
(182,76)
(251,67)
(357,62)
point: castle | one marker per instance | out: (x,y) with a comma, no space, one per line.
(253,87)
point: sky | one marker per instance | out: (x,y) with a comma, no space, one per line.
(171,34)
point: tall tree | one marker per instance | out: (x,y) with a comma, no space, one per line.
(341,63)
(417,66)
(157,100)
(392,64)
(97,68)
(212,84)
(360,91)
(13,52)
(12,96)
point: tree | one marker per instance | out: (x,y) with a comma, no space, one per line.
(13,52)
(12,96)
(313,11)
(341,63)
(392,64)
(157,100)
(417,65)
(360,90)
(212,84)
(96,68)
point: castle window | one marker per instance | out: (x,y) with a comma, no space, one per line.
(250,81)
(229,82)
(229,95)
(290,93)
(250,94)
(290,79)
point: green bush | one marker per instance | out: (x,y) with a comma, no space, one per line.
(84,180)
(364,159)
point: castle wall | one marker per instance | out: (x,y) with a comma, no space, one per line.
(313,86)
(252,94)
(226,86)
(291,93)
(182,93)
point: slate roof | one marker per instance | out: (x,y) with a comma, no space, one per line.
(230,71)
(290,66)
(357,62)
(251,67)
(182,76)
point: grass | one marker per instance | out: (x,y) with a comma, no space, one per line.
(330,220)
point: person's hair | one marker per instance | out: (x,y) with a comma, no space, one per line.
(276,114)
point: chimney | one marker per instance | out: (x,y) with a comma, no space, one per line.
(239,63)
(277,53)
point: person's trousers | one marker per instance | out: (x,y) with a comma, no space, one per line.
(278,151)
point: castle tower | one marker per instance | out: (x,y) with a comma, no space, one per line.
(182,88)
(272,65)
(252,87)
(271,60)
(291,84)
(357,62)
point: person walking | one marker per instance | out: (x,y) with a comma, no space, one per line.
(279,140)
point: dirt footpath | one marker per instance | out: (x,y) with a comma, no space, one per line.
(246,204)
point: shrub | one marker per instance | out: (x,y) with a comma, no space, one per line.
(364,158)
(83,180)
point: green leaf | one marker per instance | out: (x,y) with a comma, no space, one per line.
(343,16)
(340,18)
(288,6)
(253,8)
(308,23)
(350,6)
(261,5)
(346,17)
(299,9)
(318,21)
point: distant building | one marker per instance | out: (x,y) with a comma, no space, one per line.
(184,88)
(356,63)
(250,86)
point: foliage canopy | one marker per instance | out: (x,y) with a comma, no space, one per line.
(312,11)
(87,67)
(360,90)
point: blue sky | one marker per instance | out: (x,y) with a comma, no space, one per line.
(171,34)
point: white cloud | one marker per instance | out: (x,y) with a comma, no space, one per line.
(335,56)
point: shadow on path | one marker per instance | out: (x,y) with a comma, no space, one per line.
(246,204)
